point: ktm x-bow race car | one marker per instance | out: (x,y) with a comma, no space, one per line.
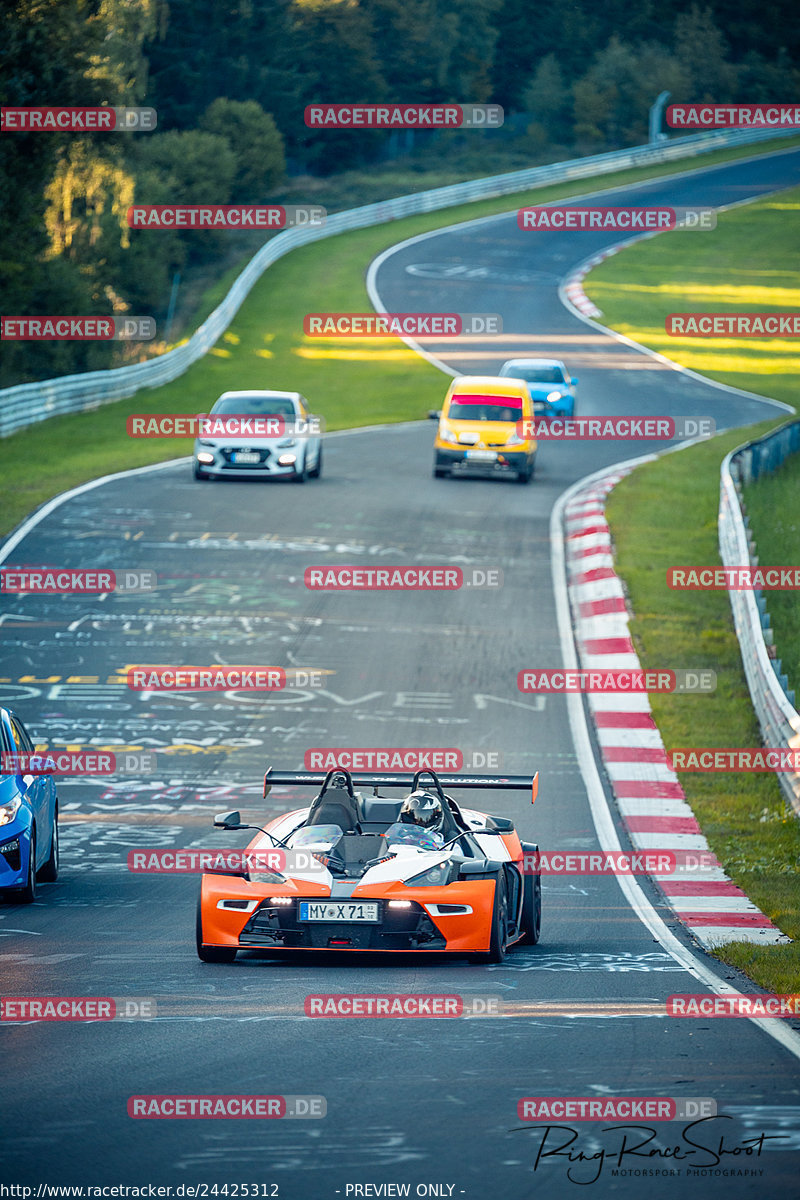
(375,874)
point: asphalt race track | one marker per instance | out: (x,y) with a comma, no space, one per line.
(412,1102)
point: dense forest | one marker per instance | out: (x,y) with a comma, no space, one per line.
(230,80)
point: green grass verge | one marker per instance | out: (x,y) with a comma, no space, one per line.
(349,383)
(772,506)
(666,513)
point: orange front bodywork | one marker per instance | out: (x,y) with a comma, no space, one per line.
(463,933)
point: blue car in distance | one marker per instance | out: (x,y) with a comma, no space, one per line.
(548,383)
(28,817)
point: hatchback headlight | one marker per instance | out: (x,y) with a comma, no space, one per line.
(514,439)
(552,396)
(9,810)
(447,434)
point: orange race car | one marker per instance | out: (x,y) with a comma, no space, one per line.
(373,873)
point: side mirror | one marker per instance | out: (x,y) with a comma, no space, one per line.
(573,382)
(433,415)
(499,825)
(229,820)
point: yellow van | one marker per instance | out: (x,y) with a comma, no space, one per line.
(480,430)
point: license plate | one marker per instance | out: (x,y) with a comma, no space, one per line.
(339,910)
(482,455)
(246,456)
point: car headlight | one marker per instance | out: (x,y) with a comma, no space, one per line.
(288,442)
(551,396)
(514,439)
(446,434)
(267,877)
(9,810)
(204,442)
(436,876)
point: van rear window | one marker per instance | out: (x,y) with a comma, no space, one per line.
(485,408)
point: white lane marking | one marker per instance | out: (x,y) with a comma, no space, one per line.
(598,803)
(585,266)
(377,263)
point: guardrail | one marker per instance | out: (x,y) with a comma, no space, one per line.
(773,701)
(28,403)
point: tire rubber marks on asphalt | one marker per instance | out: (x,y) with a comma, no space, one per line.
(624,962)
(475,273)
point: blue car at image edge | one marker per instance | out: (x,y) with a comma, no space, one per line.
(28,819)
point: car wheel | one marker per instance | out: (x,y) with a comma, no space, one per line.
(499,942)
(532,910)
(440,472)
(49,872)
(198,474)
(301,475)
(211,954)
(27,895)
(525,476)
(315,474)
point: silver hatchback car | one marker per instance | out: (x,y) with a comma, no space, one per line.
(266,435)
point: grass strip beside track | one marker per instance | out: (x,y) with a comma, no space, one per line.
(349,382)
(665,514)
(774,511)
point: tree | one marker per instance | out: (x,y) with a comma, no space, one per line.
(46,50)
(255,142)
(702,51)
(336,60)
(548,100)
(613,99)
(204,49)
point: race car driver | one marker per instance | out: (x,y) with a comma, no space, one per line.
(425,810)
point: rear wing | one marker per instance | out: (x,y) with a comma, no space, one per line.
(507,783)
